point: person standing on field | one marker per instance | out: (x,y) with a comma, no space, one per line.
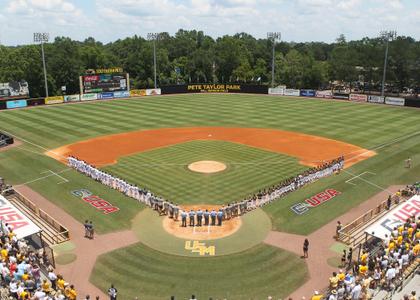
(305,248)
(112,292)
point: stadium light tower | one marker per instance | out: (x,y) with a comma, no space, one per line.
(387,36)
(273,37)
(154,37)
(43,37)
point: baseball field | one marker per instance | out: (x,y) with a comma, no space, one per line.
(261,140)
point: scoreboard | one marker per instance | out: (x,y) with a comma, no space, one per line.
(104,80)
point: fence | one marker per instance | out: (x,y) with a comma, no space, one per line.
(63,233)
(351,233)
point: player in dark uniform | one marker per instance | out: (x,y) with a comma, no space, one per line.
(191,215)
(213,215)
(206,217)
(199,217)
(184,218)
(219,217)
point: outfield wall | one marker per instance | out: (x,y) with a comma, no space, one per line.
(214,88)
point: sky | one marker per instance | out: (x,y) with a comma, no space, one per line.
(297,20)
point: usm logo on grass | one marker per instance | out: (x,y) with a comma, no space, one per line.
(200,248)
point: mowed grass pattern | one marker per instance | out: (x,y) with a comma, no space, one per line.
(364,125)
(139,271)
(165,171)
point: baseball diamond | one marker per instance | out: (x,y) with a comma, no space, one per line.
(160,161)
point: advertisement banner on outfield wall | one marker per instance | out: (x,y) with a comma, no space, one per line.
(376,99)
(16,103)
(358,97)
(394,101)
(307,93)
(324,94)
(276,91)
(153,92)
(122,94)
(107,95)
(88,97)
(341,96)
(71,98)
(54,100)
(215,88)
(137,93)
(291,92)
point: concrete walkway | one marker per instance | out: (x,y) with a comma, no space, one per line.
(320,242)
(78,272)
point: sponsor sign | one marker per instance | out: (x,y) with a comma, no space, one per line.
(395,218)
(376,99)
(343,96)
(137,93)
(14,89)
(276,91)
(200,248)
(358,97)
(395,101)
(87,97)
(107,95)
(100,204)
(213,88)
(307,93)
(291,92)
(122,94)
(54,100)
(20,224)
(314,201)
(16,103)
(91,78)
(71,98)
(109,70)
(324,94)
(153,92)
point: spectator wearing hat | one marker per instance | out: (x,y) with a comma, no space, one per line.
(317,296)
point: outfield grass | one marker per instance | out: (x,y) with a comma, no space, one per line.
(139,271)
(165,171)
(361,124)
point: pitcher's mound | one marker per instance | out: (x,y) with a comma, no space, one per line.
(201,232)
(207,166)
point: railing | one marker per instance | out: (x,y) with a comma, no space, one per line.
(346,234)
(62,231)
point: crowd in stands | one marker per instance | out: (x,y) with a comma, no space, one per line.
(20,270)
(166,207)
(379,267)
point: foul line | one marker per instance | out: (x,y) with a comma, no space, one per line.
(357,176)
(33,144)
(44,177)
(368,182)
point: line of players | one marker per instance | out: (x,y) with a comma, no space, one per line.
(165,207)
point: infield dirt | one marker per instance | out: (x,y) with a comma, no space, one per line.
(309,149)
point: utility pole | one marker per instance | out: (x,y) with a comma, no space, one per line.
(43,37)
(154,37)
(273,37)
(387,36)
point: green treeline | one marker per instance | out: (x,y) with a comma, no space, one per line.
(192,56)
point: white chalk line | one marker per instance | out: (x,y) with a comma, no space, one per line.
(357,176)
(33,144)
(367,181)
(46,176)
